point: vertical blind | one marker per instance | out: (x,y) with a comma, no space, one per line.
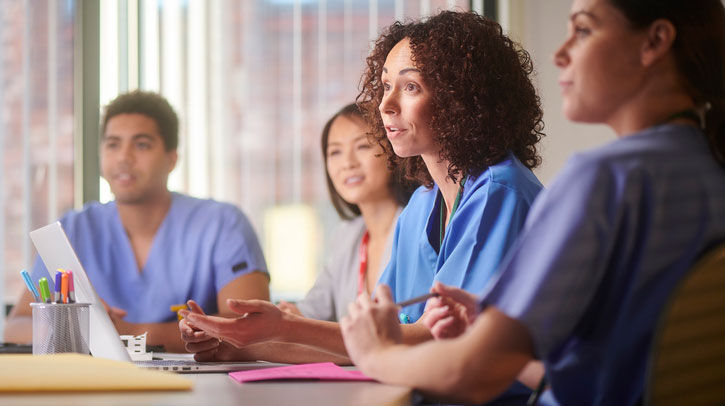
(36,127)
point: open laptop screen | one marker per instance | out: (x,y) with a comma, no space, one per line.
(57,253)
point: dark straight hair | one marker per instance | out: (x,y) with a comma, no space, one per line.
(699,50)
(400,188)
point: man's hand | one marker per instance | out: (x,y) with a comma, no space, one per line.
(116,316)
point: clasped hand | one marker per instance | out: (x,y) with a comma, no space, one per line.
(451,313)
(370,325)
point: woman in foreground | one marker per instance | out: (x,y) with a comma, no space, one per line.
(603,247)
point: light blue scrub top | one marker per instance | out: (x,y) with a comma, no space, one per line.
(601,251)
(490,214)
(201,246)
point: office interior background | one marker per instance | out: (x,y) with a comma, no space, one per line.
(253,82)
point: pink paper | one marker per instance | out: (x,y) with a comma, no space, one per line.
(326,371)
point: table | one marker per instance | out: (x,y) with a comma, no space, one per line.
(212,389)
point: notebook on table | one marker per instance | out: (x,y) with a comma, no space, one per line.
(56,252)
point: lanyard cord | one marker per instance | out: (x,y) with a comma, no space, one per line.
(363,254)
(453,211)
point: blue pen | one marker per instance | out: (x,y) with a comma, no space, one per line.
(30,285)
(58,277)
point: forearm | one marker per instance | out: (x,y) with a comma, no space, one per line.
(322,335)
(471,369)
(19,329)
(327,337)
(415,333)
(290,353)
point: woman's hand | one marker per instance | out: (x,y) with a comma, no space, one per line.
(370,325)
(205,347)
(196,341)
(259,321)
(450,314)
(290,308)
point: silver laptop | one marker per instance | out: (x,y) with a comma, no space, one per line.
(56,251)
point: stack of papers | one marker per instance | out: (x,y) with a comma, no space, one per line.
(76,372)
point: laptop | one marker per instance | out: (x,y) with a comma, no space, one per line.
(105,342)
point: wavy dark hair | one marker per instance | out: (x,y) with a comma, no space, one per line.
(699,49)
(483,102)
(400,188)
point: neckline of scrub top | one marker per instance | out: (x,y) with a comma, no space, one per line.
(441,229)
(126,241)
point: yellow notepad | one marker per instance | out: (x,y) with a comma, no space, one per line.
(76,372)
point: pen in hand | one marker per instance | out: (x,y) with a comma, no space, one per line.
(417,299)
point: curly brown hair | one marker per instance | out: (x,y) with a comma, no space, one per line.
(484,104)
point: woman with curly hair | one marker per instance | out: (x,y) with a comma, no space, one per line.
(450,100)
(604,247)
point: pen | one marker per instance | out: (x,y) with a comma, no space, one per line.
(64,288)
(44,290)
(71,289)
(416,299)
(30,285)
(57,298)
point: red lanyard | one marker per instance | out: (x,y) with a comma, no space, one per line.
(363,262)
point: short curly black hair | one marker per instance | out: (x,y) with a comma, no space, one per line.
(484,104)
(150,104)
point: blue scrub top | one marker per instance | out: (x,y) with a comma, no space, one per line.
(200,247)
(490,214)
(601,251)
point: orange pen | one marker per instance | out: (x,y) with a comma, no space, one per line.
(64,287)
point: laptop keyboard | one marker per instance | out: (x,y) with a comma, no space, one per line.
(170,364)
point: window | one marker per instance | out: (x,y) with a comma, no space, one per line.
(36,128)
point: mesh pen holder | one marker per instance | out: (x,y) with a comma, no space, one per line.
(60,327)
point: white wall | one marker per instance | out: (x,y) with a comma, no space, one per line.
(540,27)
